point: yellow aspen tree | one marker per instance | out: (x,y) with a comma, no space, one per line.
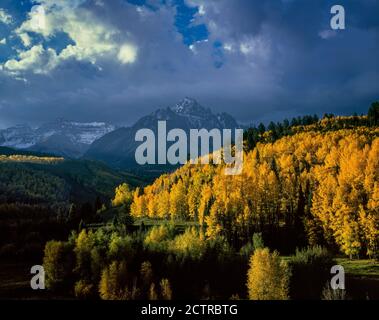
(369,222)
(178,201)
(123,195)
(268,276)
(163,205)
(204,205)
(138,208)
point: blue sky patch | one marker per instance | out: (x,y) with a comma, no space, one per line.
(184,23)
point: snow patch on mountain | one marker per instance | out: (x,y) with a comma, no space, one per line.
(77,133)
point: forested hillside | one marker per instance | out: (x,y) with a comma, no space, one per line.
(318,185)
(43,197)
(43,179)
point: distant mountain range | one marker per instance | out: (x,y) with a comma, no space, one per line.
(60,137)
(118,148)
(105,142)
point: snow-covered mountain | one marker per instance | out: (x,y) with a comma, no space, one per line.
(20,137)
(67,138)
(188,114)
(78,132)
(117,148)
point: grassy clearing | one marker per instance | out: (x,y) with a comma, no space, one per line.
(356,268)
(360,268)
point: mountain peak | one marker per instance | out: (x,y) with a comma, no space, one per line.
(189,106)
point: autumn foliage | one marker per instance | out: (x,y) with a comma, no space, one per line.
(324,182)
(268,276)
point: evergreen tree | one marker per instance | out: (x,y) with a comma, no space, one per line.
(373,114)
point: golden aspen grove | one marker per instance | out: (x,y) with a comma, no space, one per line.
(326,181)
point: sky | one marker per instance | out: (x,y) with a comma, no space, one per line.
(117,60)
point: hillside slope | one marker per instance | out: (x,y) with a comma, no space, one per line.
(313,187)
(39,178)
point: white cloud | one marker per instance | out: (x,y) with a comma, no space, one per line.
(3,41)
(37,58)
(127,54)
(37,22)
(93,39)
(5,17)
(26,40)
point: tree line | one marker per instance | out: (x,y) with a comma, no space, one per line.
(275,131)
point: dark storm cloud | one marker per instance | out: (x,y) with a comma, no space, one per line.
(339,74)
(279,59)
